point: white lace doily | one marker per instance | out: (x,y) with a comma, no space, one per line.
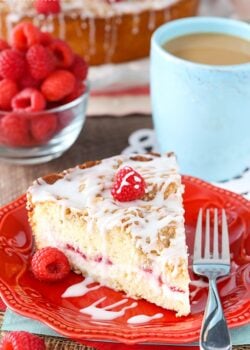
(144,140)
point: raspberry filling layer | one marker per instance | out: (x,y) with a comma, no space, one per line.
(101,260)
(97,259)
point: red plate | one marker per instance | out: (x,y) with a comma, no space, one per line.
(29,297)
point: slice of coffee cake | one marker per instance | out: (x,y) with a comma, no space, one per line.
(136,246)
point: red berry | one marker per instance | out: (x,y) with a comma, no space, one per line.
(62,52)
(50,264)
(8,89)
(44,127)
(3,45)
(47,6)
(79,68)
(28,100)
(14,130)
(19,340)
(45,38)
(24,35)
(40,61)
(128,185)
(12,64)
(79,89)
(28,81)
(58,85)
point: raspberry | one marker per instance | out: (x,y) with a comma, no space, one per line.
(24,35)
(19,340)
(8,89)
(62,52)
(40,61)
(28,81)
(78,91)
(14,130)
(28,100)
(58,85)
(79,67)
(3,45)
(128,185)
(12,64)
(47,6)
(50,264)
(45,38)
(43,127)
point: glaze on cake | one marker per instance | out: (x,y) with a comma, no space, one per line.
(102,31)
(137,247)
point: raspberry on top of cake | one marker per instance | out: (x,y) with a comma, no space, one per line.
(119,220)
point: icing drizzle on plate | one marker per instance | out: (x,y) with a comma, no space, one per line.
(139,319)
(105,313)
(80,289)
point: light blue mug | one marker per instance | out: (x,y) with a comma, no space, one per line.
(201,112)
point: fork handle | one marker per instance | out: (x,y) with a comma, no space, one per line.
(214,331)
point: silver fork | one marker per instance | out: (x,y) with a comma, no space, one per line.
(212,264)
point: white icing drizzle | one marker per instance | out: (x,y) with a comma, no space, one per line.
(96,8)
(113,40)
(48,23)
(136,23)
(92,33)
(143,220)
(1,25)
(36,21)
(11,19)
(107,36)
(167,14)
(198,285)
(118,19)
(80,289)
(139,319)
(151,22)
(104,313)
(62,29)
(125,183)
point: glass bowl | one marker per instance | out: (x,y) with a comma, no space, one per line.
(38,137)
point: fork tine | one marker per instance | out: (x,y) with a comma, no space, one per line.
(215,250)
(225,252)
(207,236)
(197,242)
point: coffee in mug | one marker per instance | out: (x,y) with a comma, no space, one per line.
(210,48)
